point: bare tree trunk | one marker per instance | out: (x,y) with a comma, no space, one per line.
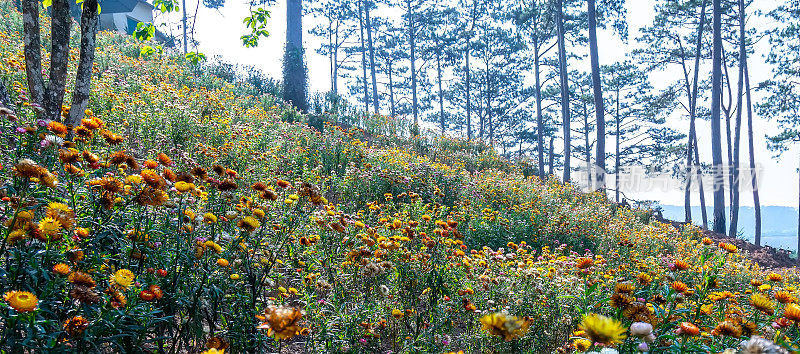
(375,99)
(562,66)
(467,92)
(691,144)
(33,52)
(363,55)
(617,162)
(701,191)
(295,83)
(754,182)
(738,127)
(600,160)
(333,41)
(489,104)
(185,38)
(59,59)
(539,117)
(467,70)
(716,141)
(412,37)
(551,156)
(391,91)
(441,92)
(587,148)
(83,79)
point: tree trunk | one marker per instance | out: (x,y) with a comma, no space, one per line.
(701,191)
(335,60)
(587,148)
(33,52)
(59,59)
(294,69)
(185,38)
(467,92)
(754,182)
(363,55)
(539,117)
(467,70)
(489,104)
(716,137)
(738,126)
(412,36)
(551,156)
(375,99)
(562,66)
(441,92)
(600,160)
(391,91)
(616,153)
(83,79)
(692,93)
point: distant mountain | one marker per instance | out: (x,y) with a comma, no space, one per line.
(778,223)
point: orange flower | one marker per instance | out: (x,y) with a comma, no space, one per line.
(164,159)
(75,326)
(679,286)
(281,322)
(22,301)
(584,263)
(775,277)
(58,128)
(689,329)
(681,265)
(792,312)
(61,269)
(728,247)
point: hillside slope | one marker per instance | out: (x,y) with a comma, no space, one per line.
(190,212)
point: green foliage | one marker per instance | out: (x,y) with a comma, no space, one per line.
(257,23)
(144,31)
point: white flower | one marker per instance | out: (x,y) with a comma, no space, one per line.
(641,329)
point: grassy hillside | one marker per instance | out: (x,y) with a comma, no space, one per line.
(190,212)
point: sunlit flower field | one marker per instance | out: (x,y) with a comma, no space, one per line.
(187,213)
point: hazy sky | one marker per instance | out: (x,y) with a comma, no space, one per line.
(218,33)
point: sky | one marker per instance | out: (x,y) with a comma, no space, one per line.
(218,32)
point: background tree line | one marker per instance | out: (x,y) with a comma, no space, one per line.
(508,73)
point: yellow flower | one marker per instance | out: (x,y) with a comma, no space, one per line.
(209,218)
(762,303)
(258,213)
(213,245)
(397,314)
(214,351)
(134,179)
(123,278)
(16,236)
(61,213)
(49,227)
(582,344)
(222,262)
(602,329)
(504,325)
(184,187)
(22,301)
(249,224)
